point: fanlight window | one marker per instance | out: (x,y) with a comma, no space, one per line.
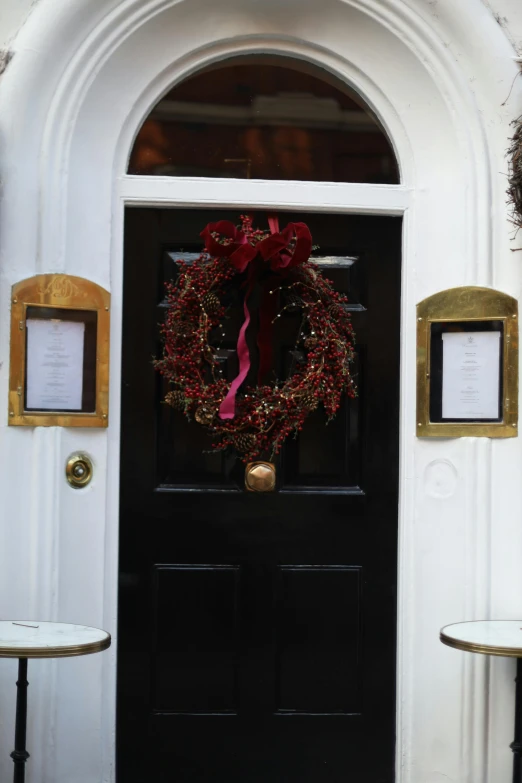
(264,118)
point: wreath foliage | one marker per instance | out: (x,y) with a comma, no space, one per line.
(515,174)
(255,419)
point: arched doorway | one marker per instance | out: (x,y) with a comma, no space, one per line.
(269,619)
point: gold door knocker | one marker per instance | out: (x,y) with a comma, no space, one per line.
(260,477)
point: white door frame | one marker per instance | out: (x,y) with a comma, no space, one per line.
(84,75)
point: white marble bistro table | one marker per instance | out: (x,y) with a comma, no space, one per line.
(24,639)
(494,637)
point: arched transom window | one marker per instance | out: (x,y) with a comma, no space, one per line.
(264,117)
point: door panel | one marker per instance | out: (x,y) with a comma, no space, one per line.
(195,661)
(266,643)
(318,636)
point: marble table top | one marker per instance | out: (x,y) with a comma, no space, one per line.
(490,637)
(32,639)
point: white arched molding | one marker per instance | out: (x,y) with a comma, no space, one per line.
(84,75)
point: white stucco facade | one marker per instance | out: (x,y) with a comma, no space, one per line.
(442,76)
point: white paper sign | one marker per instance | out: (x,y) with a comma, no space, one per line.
(54,364)
(470,375)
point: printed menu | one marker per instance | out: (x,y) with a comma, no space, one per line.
(54,375)
(470,375)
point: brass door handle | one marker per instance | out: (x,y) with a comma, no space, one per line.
(260,477)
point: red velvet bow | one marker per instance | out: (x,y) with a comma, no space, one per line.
(223,239)
(282,250)
(287,248)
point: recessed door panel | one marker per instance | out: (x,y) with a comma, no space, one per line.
(318,639)
(196,638)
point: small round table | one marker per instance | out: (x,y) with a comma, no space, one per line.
(25,639)
(494,637)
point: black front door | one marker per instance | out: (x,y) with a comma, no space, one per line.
(257,632)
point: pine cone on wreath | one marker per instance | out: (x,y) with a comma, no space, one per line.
(245,441)
(211,303)
(176,399)
(205,415)
(309,401)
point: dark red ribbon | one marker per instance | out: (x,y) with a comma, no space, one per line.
(233,245)
(287,248)
(282,250)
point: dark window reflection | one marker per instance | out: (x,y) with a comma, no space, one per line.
(264,118)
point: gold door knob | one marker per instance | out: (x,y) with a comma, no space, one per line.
(260,477)
(78,470)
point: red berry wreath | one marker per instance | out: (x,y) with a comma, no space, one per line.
(255,420)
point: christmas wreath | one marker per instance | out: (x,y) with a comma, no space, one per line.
(255,419)
(515,174)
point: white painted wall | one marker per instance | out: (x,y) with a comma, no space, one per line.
(13,14)
(508,13)
(83,76)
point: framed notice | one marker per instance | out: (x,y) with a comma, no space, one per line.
(59,370)
(467,364)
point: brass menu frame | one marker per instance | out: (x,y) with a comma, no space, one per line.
(468,304)
(61,293)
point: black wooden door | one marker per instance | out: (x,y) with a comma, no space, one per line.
(257,632)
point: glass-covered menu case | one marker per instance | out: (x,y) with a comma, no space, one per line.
(59,371)
(467,364)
